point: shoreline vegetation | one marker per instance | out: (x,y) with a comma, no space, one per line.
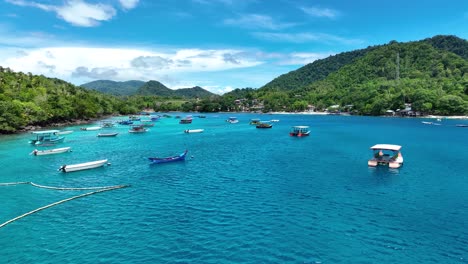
(427,78)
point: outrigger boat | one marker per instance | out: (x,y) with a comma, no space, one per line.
(180,157)
(91,128)
(107,134)
(137,129)
(83,166)
(387,155)
(193,130)
(232,120)
(264,124)
(299,131)
(48,137)
(50,151)
(65,132)
(186,120)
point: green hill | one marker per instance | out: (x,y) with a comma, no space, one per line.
(427,74)
(155,88)
(114,88)
(194,92)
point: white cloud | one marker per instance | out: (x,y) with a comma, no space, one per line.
(320,12)
(129,4)
(303,58)
(75,12)
(257,21)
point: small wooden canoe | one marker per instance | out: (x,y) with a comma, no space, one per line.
(50,151)
(83,166)
(107,134)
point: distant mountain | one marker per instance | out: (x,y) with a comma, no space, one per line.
(155,88)
(195,92)
(450,43)
(114,88)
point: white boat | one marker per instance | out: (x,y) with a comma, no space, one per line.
(387,155)
(107,134)
(50,151)
(45,138)
(193,130)
(274,120)
(91,128)
(83,166)
(232,120)
(65,132)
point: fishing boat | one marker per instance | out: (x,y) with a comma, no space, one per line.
(83,166)
(91,128)
(299,131)
(65,132)
(186,120)
(264,124)
(147,123)
(107,134)
(386,155)
(125,122)
(137,129)
(50,151)
(193,130)
(107,124)
(232,120)
(48,137)
(134,118)
(180,157)
(254,121)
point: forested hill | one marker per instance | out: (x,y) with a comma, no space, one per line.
(114,88)
(320,69)
(158,89)
(434,81)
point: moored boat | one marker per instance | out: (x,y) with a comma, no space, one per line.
(125,122)
(232,120)
(299,131)
(65,132)
(180,157)
(264,124)
(50,151)
(107,134)
(137,129)
(186,120)
(48,137)
(254,121)
(193,130)
(461,125)
(91,128)
(386,155)
(83,166)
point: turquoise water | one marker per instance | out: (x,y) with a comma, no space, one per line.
(244,195)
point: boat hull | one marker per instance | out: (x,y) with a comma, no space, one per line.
(107,135)
(189,131)
(50,151)
(83,166)
(180,157)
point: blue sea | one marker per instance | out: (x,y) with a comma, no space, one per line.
(244,195)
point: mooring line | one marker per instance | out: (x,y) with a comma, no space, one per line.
(55,188)
(62,201)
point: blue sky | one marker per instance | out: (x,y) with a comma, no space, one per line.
(216,44)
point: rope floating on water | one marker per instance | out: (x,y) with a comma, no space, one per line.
(55,188)
(102,189)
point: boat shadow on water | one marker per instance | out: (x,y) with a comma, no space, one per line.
(383,175)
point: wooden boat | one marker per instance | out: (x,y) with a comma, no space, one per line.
(387,155)
(263,124)
(50,151)
(299,131)
(107,124)
(107,134)
(134,118)
(65,132)
(186,120)
(91,128)
(48,137)
(125,122)
(83,166)
(180,157)
(193,130)
(137,129)
(232,120)
(147,123)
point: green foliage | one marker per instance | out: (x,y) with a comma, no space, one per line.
(114,88)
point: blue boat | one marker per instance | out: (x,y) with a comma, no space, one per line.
(45,138)
(180,157)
